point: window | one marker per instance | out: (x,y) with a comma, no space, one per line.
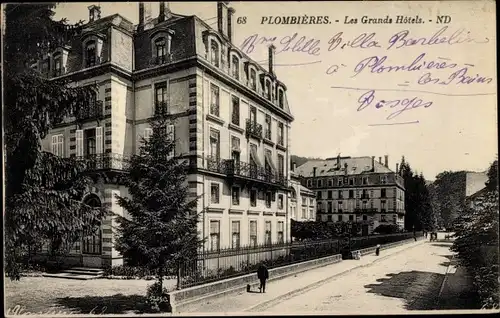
(253,233)
(58,145)
(267,237)
(161,50)
(90,142)
(214,104)
(281,230)
(339,182)
(330,194)
(214,144)
(214,193)
(57,64)
(280,202)
(161,98)
(320,183)
(253,197)
(281,98)
(330,183)
(365,180)
(341,195)
(351,218)
(382,205)
(236,196)
(235,116)
(330,207)
(309,183)
(340,206)
(90,53)
(382,193)
(281,139)
(351,194)
(318,195)
(340,218)
(319,207)
(253,79)
(268,89)
(268,127)
(214,235)
(235,64)
(235,152)
(253,114)
(351,181)
(268,199)
(382,218)
(364,195)
(235,229)
(365,218)
(214,49)
(383,179)
(304,213)
(281,166)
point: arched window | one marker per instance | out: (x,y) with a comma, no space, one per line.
(214,47)
(90,53)
(57,64)
(253,79)
(161,49)
(268,89)
(281,98)
(235,65)
(92,240)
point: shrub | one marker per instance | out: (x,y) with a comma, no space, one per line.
(158,299)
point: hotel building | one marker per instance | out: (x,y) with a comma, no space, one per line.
(356,189)
(229,117)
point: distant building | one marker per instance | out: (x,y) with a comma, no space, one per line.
(357,189)
(302,200)
(474,182)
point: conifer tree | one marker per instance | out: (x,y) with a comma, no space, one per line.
(159,226)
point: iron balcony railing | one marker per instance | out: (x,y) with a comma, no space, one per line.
(159,60)
(105,161)
(161,108)
(93,110)
(234,168)
(365,210)
(253,129)
(214,109)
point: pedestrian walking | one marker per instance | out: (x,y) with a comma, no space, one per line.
(377,250)
(263,275)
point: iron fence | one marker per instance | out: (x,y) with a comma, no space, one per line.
(220,264)
(104,161)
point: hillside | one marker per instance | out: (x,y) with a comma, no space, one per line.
(301,160)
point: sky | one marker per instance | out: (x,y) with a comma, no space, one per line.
(334,90)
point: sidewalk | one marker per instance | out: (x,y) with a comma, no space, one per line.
(456,291)
(280,289)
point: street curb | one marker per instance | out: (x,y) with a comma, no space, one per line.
(268,303)
(438,298)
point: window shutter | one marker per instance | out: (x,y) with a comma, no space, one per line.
(54,145)
(171,138)
(60,145)
(98,140)
(79,143)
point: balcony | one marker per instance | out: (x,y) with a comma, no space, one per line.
(105,161)
(94,110)
(253,129)
(160,60)
(365,210)
(245,171)
(161,108)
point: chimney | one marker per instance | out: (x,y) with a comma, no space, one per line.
(338,161)
(294,166)
(94,13)
(386,161)
(373,163)
(165,12)
(314,172)
(345,168)
(230,24)
(222,19)
(144,15)
(380,160)
(397,167)
(272,50)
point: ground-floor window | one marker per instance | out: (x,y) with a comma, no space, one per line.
(92,243)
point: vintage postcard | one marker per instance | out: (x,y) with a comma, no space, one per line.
(250,158)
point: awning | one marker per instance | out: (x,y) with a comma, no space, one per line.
(269,161)
(254,156)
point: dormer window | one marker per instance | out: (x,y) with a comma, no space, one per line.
(161,49)
(57,64)
(253,79)
(281,98)
(235,65)
(268,89)
(90,53)
(214,49)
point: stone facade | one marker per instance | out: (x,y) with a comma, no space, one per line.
(229,117)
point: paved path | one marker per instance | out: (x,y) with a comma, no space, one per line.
(407,281)
(311,280)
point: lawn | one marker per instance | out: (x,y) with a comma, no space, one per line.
(49,295)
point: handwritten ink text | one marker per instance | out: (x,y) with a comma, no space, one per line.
(368,98)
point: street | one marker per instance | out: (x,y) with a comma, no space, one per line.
(409,280)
